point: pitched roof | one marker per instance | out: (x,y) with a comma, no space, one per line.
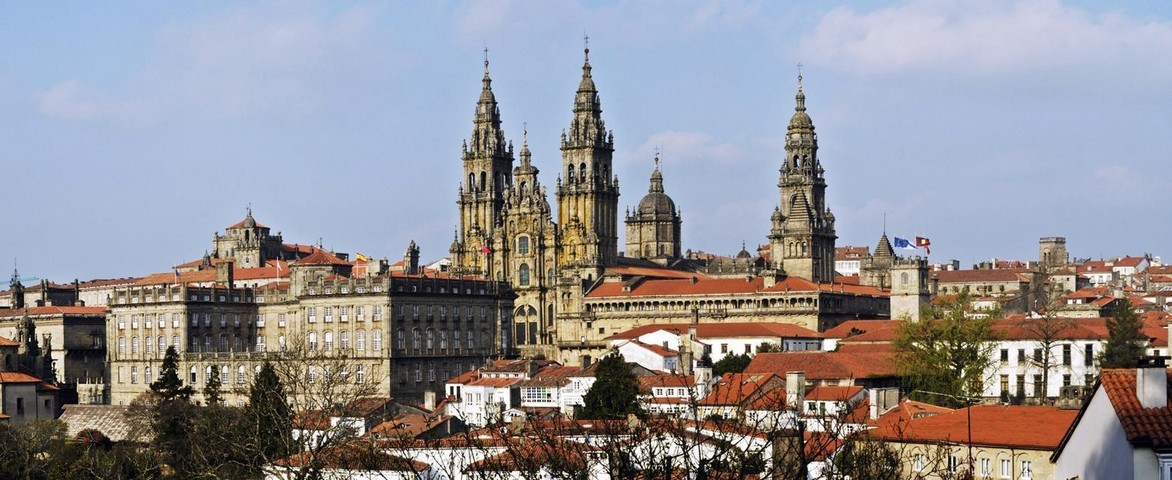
(983,275)
(992,425)
(865,330)
(52,310)
(653,272)
(1143,426)
(722,330)
(833,394)
(736,388)
(821,365)
(17,377)
(723,286)
(321,257)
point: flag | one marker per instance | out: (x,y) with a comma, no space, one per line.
(362,258)
(903,243)
(924,242)
(484,249)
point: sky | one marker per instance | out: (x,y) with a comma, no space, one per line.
(131,133)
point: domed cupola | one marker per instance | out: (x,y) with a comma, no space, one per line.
(656,203)
(653,229)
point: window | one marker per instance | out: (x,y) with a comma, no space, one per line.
(133,374)
(523,245)
(431,372)
(360,374)
(223,343)
(443,340)
(313,340)
(378,312)
(1006,467)
(430,339)
(360,340)
(280,319)
(223,320)
(986,467)
(953,463)
(1005,385)
(207,319)
(1066,355)
(194,319)
(150,346)
(1038,355)
(358,313)
(311,314)
(240,374)
(1004,355)
(471,344)
(121,345)
(1066,380)
(1038,386)
(376,339)
(724,348)
(921,462)
(163,345)
(343,314)
(175,320)
(312,375)
(414,338)
(133,345)
(236,345)
(1021,358)
(175,342)
(329,314)
(344,340)
(418,374)
(1088,358)
(523,275)
(1026,469)
(207,343)
(329,340)
(260,343)
(260,320)
(1089,379)
(193,376)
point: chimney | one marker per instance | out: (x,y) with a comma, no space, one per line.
(1151,382)
(429,400)
(224,273)
(795,389)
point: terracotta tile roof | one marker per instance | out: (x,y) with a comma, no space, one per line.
(1020,328)
(821,365)
(723,286)
(465,377)
(851,253)
(653,272)
(6,342)
(667,380)
(557,455)
(1143,426)
(908,410)
(493,382)
(408,426)
(657,349)
(243,222)
(17,377)
(865,330)
(209,275)
(50,311)
(722,330)
(847,279)
(983,275)
(737,388)
(553,375)
(321,257)
(297,248)
(992,425)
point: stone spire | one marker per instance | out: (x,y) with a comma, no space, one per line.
(587,128)
(656,178)
(487,136)
(883,249)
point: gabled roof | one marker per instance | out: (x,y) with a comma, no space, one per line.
(865,330)
(992,426)
(737,388)
(722,330)
(17,377)
(1143,426)
(321,257)
(833,394)
(821,365)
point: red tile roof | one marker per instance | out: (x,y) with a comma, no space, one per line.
(17,377)
(653,272)
(209,275)
(49,311)
(724,286)
(908,410)
(833,394)
(983,275)
(865,330)
(321,257)
(1143,426)
(722,330)
(737,388)
(820,365)
(493,382)
(992,425)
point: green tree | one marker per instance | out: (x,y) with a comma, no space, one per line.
(1125,339)
(615,391)
(769,347)
(168,386)
(211,391)
(731,364)
(863,457)
(266,429)
(949,352)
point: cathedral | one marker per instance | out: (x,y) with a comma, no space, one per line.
(569,275)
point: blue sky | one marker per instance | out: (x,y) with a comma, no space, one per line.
(129,134)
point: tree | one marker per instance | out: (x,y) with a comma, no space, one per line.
(211,391)
(615,392)
(168,386)
(266,430)
(869,458)
(949,352)
(731,364)
(1125,340)
(769,347)
(1046,332)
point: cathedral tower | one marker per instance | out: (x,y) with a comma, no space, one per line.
(653,229)
(802,238)
(588,191)
(488,170)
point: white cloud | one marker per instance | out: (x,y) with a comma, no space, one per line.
(685,147)
(271,57)
(982,37)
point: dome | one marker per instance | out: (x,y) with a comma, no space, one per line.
(656,203)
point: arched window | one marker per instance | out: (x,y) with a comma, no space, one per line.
(133,345)
(344,340)
(483,180)
(523,245)
(415,338)
(240,374)
(570,174)
(175,342)
(903,278)
(163,344)
(443,339)
(360,340)
(313,340)
(430,339)
(523,275)
(376,339)
(471,182)
(582,173)
(207,373)
(193,376)
(329,340)
(121,345)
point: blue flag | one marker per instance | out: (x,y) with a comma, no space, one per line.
(903,243)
